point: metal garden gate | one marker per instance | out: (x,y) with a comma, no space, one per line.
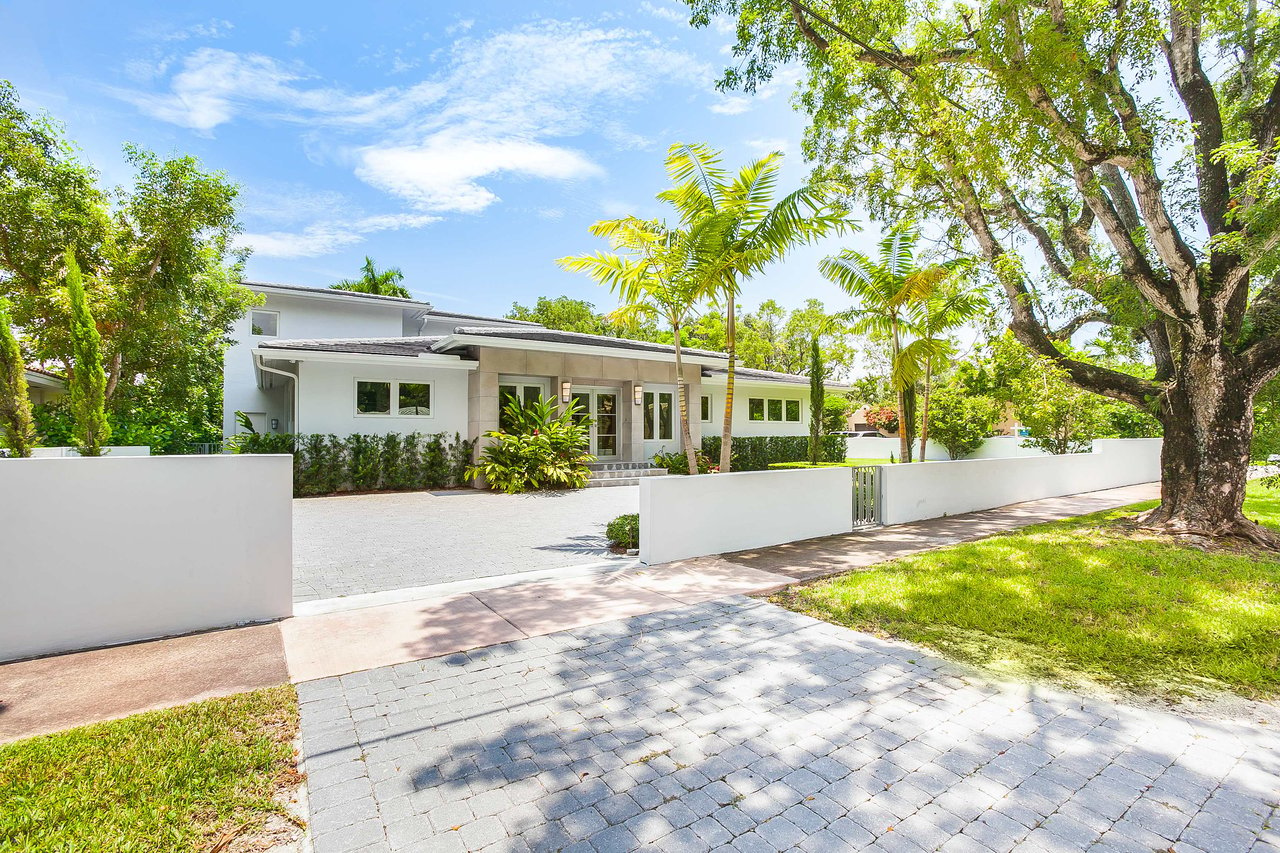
(866,496)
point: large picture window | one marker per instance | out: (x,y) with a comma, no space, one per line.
(793,411)
(375,396)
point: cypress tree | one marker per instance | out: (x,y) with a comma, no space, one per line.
(15,400)
(88,384)
(817,399)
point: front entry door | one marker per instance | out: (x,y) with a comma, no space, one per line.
(602,408)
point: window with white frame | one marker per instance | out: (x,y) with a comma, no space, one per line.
(755,408)
(375,397)
(774,409)
(793,411)
(265,324)
(658,415)
(706,408)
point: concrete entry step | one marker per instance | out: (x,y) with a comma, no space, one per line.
(622,466)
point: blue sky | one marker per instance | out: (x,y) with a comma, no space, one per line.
(470,144)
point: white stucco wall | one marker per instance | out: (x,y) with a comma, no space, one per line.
(934,489)
(120,450)
(327,398)
(300,318)
(682,517)
(996,447)
(744,426)
(95,552)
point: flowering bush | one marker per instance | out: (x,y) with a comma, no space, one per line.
(883,418)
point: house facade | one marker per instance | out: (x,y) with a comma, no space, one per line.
(313,360)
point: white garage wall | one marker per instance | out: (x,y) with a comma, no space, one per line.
(682,517)
(327,399)
(935,489)
(95,552)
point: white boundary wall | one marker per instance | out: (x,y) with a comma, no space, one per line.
(935,489)
(95,552)
(683,516)
(996,447)
(119,450)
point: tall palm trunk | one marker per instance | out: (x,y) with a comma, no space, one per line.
(726,431)
(924,410)
(904,437)
(682,388)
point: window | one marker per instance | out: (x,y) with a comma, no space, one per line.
(657,415)
(415,398)
(793,411)
(706,408)
(524,393)
(373,398)
(265,324)
(755,409)
(775,410)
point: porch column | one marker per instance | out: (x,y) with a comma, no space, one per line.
(482,406)
(630,424)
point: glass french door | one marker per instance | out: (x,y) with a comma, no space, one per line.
(601,407)
(524,393)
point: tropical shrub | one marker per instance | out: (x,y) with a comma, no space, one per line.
(758,452)
(326,464)
(677,462)
(544,449)
(961,422)
(624,531)
(883,418)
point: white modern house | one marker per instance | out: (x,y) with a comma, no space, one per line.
(316,360)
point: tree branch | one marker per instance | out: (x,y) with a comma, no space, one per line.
(1075,324)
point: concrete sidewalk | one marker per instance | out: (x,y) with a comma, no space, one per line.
(50,694)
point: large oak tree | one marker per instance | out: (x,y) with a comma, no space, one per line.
(1113,161)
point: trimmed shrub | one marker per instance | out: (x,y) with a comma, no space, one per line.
(624,531)
(327,464)
(677,462)
(758,452)
(545,449)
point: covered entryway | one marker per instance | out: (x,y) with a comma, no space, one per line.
(600,410)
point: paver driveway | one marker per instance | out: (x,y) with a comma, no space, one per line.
(738,725)
(354,544)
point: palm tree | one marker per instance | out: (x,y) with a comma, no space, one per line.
(948,306)
(890,292)
(385,283)
(738,229)
(654,276)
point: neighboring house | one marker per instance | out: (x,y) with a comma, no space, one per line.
(312,360)
(44,386)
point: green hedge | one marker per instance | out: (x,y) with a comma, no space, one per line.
(757,453)
(325,464)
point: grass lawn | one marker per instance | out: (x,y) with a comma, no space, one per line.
(1087,600)
(185,778)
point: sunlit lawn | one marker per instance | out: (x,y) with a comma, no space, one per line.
(1081,600)
(179,779)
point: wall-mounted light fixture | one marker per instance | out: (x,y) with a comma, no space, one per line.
(566,391)
(275,424)
(637,395)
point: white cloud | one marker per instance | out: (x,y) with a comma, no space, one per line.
(783,80)
(460,26)
(764,146)
(672,13)
(442,173)
(214,28)
(732,105)
(499,106)
(324,238)
(296,37)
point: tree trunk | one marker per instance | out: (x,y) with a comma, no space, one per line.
(1207,415)
(924,411)
(682,388)
(726,430)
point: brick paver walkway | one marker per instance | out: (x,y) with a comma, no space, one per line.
(738,725)
(354,544)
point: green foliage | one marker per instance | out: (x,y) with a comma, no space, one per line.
(327,464)
(578,315)
(165,430)
(86,389)
(677,462)
(624,531)
(16,425)
(1266,421)
(1083,601)
(160,271)
(758,452)
(545,449)
(960,422)
(185,778)
(817,403)
(835,413)
(372,280)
